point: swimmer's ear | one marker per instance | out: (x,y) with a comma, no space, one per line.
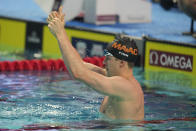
(122,63)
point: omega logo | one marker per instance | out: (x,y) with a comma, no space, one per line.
(171,60)
(154,61)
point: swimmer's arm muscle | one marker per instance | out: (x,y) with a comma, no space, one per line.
(111,86)
(95,68)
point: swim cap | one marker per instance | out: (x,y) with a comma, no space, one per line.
(123,49)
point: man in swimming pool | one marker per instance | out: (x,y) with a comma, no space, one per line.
(123,94)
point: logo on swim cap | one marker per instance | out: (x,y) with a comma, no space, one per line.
(124,49)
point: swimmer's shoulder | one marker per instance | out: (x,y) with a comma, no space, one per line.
(124,81)
(125,85)
(131,85)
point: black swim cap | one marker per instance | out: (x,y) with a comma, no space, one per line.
(123,49)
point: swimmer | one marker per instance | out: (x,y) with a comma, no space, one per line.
(124,98)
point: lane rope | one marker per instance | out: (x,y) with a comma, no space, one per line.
(43,65)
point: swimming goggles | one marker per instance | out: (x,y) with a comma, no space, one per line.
(106,53)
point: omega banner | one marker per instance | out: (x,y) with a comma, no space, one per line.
(171,60)
(164,58)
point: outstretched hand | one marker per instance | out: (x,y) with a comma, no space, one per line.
(56,22)
(55,14)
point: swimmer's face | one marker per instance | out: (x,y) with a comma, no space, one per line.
(111,65)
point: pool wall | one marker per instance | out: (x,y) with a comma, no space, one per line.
(162,45)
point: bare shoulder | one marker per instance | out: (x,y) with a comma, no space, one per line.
(127,87)
(132,82)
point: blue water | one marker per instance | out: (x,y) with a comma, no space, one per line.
(52,100)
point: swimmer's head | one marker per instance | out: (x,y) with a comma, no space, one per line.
(123,49)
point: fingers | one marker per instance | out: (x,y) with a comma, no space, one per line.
(52,15)
(60,11)
(61,14)
(54,21)
(55,14)
(62,18)
(50,25)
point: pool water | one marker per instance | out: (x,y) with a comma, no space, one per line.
(52,100)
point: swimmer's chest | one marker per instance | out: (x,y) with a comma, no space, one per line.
(109,104)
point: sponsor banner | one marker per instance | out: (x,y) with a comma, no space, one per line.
(170,63)
(50,46)
(88,43)
(12,35)
(161,56)
(34,37)
(171,60)
(88,47)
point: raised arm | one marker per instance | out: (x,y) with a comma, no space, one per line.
(77,68)
(60,15)
(95,68)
